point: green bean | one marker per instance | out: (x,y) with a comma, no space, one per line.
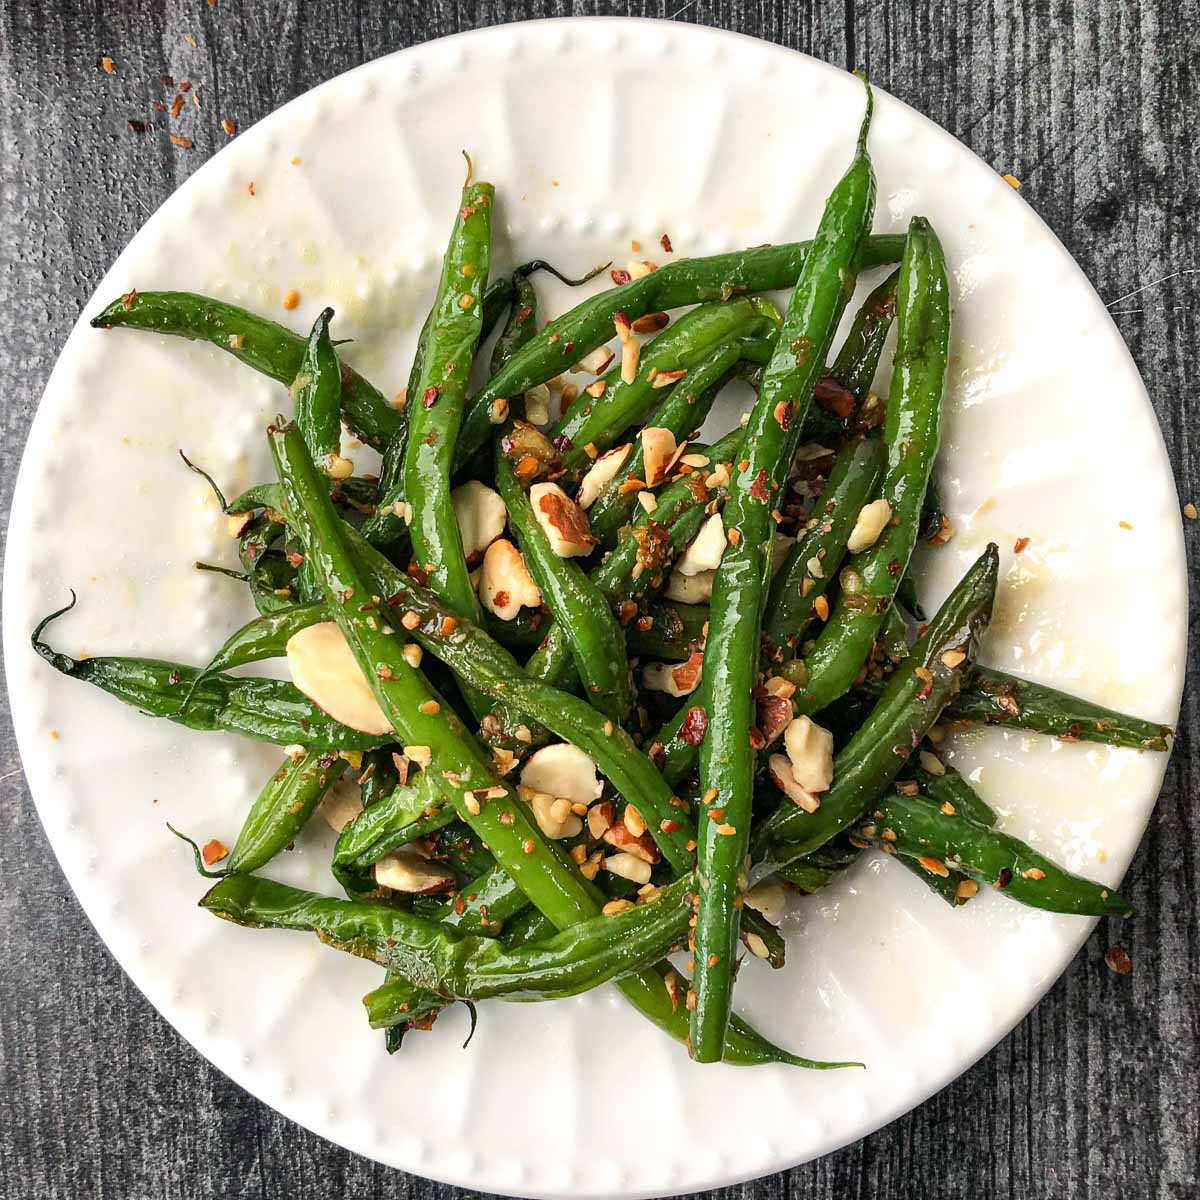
(317,393)
(676,631)
(439,958)
(727,758)
(685,409)
(283,808)
(857,361)
(264,345)
(912,701)
(932,513)
(812,563)
(951,788)
(913,827)
(576,333)
(435,409)
(911,435)
(581,609)
(266,710)
(1008,700)
(515,841)
(594,423)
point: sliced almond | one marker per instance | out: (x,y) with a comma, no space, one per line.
(549,815)
(340,805)
(324,668)
(690,589)
(563,771)
(676,679)
(595,362)
(659,454)
(767,898)
(809,747)
(704,551)
(781,771)
(481,516)
(628,866)
(505,584)
(631,355)
(562,520)
(537,405)
(406,871)
(872,518)
(600,473)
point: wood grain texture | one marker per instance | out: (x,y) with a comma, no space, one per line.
(1093,105)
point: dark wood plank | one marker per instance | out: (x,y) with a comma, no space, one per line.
(1092,105)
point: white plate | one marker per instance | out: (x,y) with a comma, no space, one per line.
(595,132)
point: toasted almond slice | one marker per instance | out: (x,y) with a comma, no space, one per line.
(340,805)
(562,520)
(767,898)
(690,589)
(810,749)
(781,771)
(628,866)
(564,771)
(596,362)
(600,473)
(480,514)
(704,551)
(631,355)
(872,518)
(554,824)
(659,454)
(537,405)
(676,679)
(324,668)
(505,584)
(407,871)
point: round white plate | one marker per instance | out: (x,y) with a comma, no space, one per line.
(595,133)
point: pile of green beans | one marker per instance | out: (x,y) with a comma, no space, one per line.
(671,679)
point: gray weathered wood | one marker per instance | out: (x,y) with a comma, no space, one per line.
(1093,105)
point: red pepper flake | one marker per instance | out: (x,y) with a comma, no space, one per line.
(159,106)
(107,64)
(429,399)
(168,81)
(1003,880)
(524,315)
(213,852)
(1020,545)
(182,142)
(527,845)
(670,826)
(1117,960)
(619,276)
(229,127)
(176,105)
(185,85)
(694,727)
(291,300)
(833,397)
(665,243)
(250,187)
(449,625)
(758,489)
(128,299)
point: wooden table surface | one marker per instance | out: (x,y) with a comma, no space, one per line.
(1093,105)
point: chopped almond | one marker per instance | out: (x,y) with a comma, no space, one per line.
(505,584)
(600,473)
(324,668)
(480,515)
(562,521)
(872,519)
(705,549)
(810,750)
(563,771)
(659,454)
